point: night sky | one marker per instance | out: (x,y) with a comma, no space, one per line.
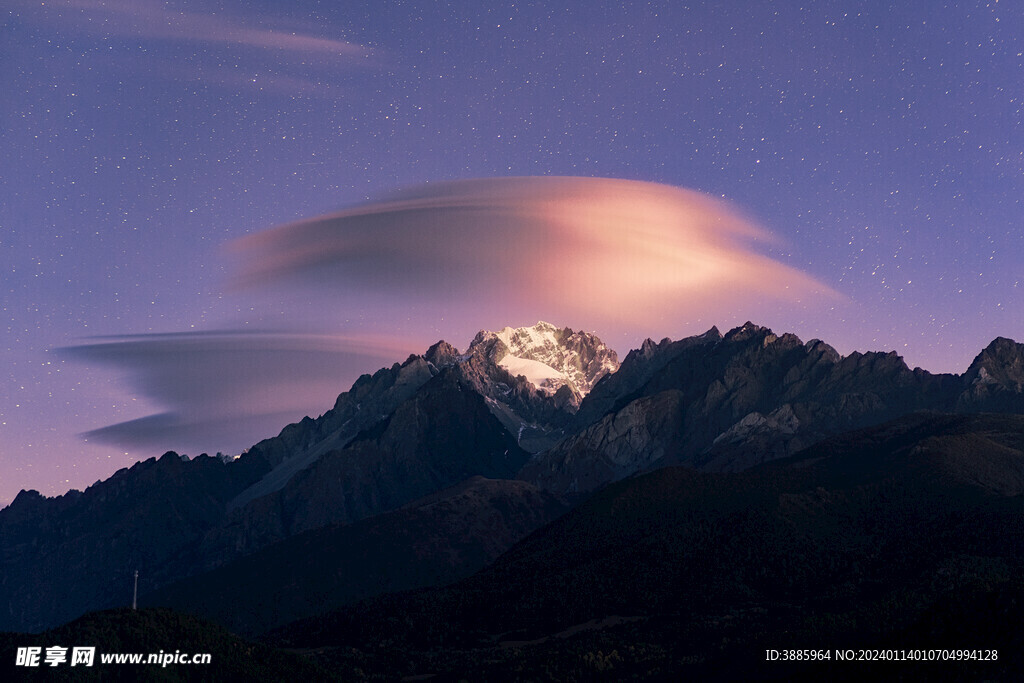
(851,171)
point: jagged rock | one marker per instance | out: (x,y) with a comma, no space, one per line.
(371,399)
(741,399)
(616,389)
(549,357)
(995,380)
(442,354)
(711,402)
(620,444)
(441,435)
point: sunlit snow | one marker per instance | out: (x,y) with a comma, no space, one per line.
(538,374)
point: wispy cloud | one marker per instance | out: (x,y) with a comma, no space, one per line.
(283,53)
(148,19)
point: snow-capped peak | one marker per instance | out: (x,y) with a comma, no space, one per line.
(550,357)
(524,340)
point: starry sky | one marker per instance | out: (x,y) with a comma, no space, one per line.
(868,157)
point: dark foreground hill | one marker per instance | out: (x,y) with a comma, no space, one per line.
(436,540)
(153,631)
(907,535)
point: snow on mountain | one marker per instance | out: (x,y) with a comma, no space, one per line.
(540,375)
(550,357)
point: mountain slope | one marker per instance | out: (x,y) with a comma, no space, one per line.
(995,380)
(856,540)
(66,555)
(395,436)
(728,403)
(370,399)
(440,436)
(575,360)
(716,402)
(435,540)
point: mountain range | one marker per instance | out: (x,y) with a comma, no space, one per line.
(708,486)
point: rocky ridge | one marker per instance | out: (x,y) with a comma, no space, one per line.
(712,402)
(730,402)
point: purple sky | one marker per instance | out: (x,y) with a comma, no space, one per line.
(875,149)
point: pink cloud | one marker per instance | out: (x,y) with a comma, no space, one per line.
(625,259)
(600,253)
(148,19)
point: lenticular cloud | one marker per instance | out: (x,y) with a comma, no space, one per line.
(224,390)
(625,259)
(607,253)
